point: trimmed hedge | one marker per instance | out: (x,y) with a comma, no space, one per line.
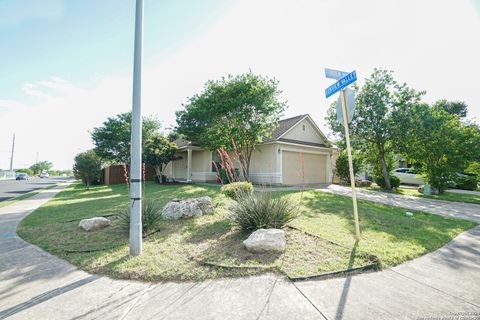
(236,189)
(394,181)
(466,182)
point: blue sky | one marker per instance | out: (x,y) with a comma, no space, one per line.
(66,65)
(80,39)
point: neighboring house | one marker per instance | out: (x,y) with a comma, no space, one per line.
(297,153)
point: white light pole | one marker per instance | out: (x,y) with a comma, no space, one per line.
(13,151)
(136,139)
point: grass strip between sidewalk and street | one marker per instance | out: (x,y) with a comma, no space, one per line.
(24,196)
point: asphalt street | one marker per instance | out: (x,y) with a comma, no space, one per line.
(12,188)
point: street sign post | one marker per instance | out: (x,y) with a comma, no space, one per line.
(339,86)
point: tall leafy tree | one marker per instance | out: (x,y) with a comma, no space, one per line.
(437,141)
(234,113)
(159,151)
(87,167)
(112,139)
(458,108)
(41,166)
(372,128)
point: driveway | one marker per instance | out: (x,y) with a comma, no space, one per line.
(468,211)
(37,285)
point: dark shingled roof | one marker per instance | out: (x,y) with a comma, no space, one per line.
(283,126)
(183,143)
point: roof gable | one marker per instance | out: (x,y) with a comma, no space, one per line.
(291,130)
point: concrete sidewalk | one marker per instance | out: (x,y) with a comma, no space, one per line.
(37,285)
(467,211)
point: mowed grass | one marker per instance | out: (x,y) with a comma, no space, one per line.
(446,196)
(182,249)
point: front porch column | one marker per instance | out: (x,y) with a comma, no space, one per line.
(189,165)
(329,169)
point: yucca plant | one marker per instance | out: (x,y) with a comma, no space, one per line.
(151,217)
(253,211)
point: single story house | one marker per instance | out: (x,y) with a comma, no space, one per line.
(297,153)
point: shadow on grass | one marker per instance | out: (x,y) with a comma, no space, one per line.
(378,221)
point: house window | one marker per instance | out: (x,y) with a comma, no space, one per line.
(216,160)
(303,127)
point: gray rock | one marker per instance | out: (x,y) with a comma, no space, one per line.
(187,208)
(266,240)
(95,223)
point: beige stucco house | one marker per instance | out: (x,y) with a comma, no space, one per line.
(297,153)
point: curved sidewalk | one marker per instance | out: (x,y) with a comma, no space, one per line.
(37,285)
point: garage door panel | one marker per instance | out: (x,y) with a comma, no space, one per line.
(310,169)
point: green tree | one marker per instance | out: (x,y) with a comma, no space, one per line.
(25,170)
(437,141)
(87,167)
(158,151)
(41,166)
(372,128)
(458,108)
(234,113)
(342,169)
(112,139)
(474,168)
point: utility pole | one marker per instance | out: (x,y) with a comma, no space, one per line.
(13,150)
(136,139)
(36,159)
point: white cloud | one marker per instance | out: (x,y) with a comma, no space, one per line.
(429,44)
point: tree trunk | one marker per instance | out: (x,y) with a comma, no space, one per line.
(386,177)
(247,167)
(158,172)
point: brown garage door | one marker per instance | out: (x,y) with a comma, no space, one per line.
(313,171)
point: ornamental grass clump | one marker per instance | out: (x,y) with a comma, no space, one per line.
(151,217)
(262,210)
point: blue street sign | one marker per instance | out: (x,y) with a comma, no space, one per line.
(340,84)
(335,74)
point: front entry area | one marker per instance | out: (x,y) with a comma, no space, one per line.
(303,168)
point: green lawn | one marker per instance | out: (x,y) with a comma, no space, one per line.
(447,196)
(180,249)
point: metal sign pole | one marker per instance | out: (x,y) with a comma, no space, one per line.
(136,140)
(350,164)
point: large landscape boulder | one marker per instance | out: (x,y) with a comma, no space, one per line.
(95,223)
(187,208)
(266,240)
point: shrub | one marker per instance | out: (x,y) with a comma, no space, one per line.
(236,189)
(342,169)
(466,182)
(87,168)
(394,181)
(254,211)
(151,216)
